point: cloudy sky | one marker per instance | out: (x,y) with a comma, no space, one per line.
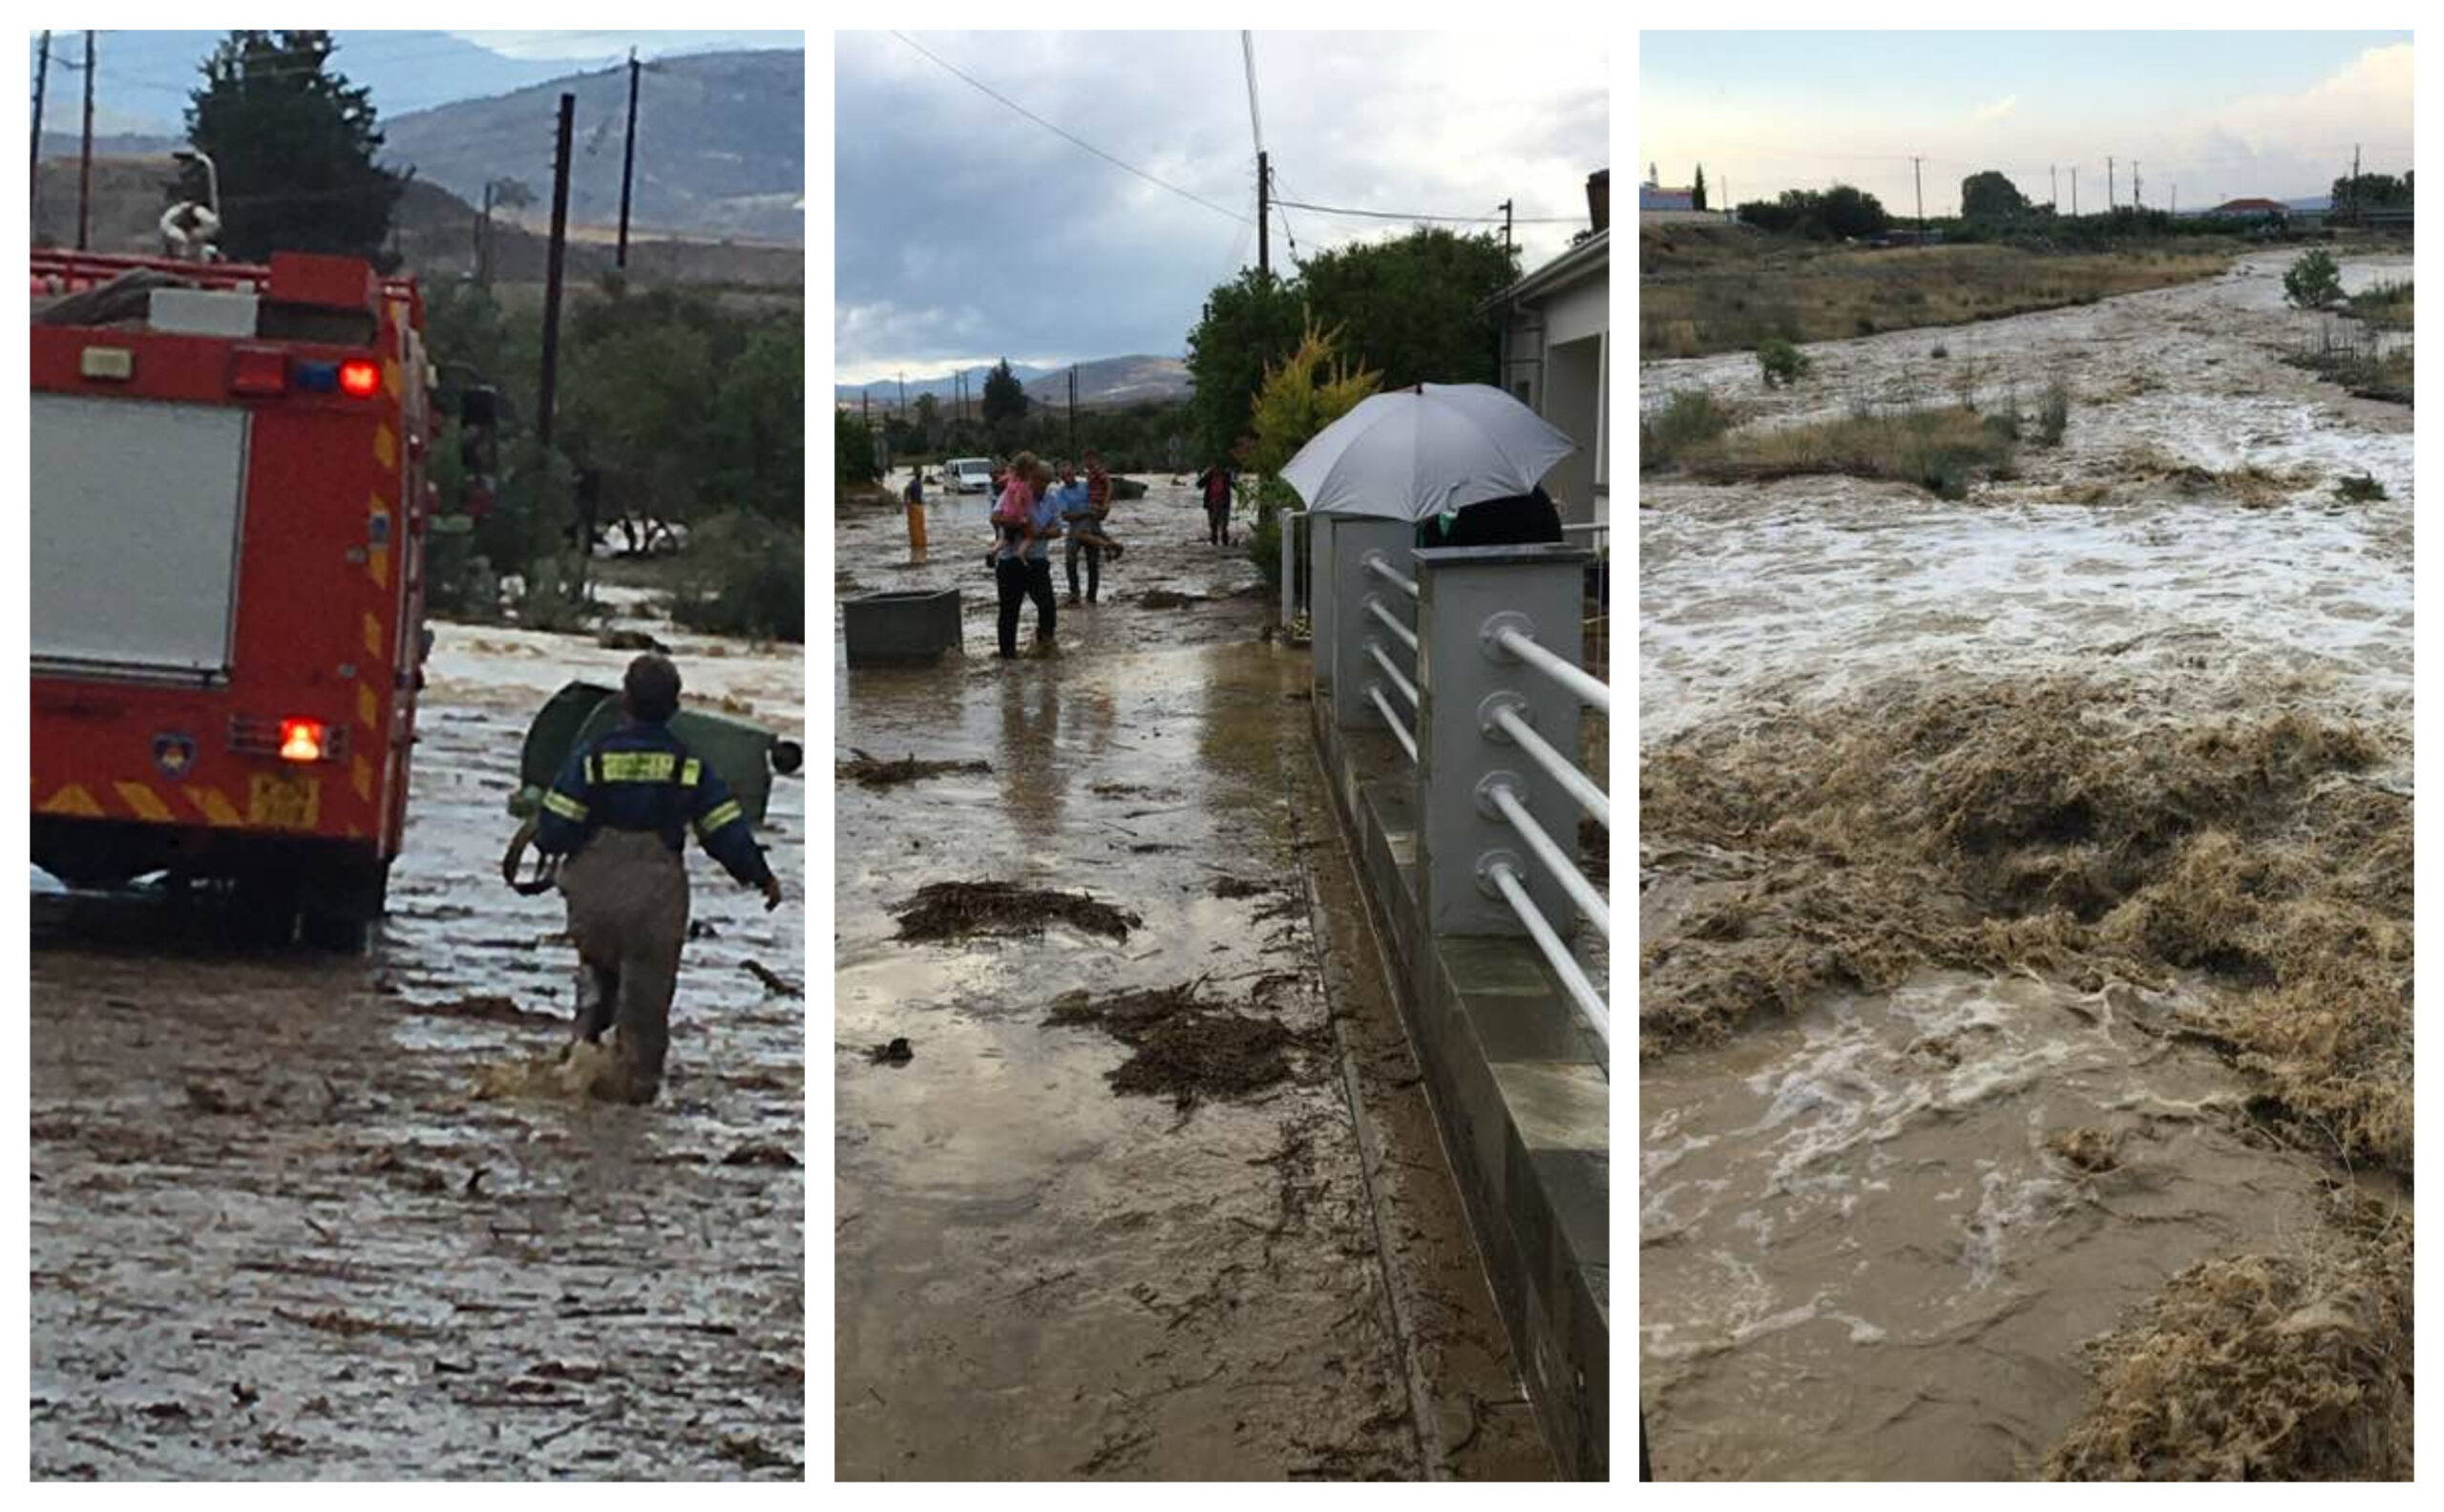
(967,232)
(2211,115)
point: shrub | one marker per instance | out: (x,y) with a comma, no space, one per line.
(2006,422)
(1273,496)
(1939,449)
(2361,490)
(744,575)
(1686,418)
(2313,281)
(1782,362)
(2053,413)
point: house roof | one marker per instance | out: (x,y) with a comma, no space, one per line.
(1592,257)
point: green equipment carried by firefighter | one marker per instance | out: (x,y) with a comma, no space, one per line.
(745,754)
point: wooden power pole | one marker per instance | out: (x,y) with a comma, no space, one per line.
(1921,190)
(549,384)
(628,158)
(2074,190)
(1264,215)
(85,156)
(42,76)
(2109,203)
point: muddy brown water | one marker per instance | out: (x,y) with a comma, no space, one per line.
(1041,1275)
(275,1235)
(1860,1257)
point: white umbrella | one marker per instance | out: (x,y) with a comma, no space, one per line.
(1412,455)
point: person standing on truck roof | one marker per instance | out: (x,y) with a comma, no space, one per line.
(620,810)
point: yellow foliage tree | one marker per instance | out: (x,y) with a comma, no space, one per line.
(1302,393)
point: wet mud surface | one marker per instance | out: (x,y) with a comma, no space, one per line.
(1156,1204)
(280,1230)
(2026,927)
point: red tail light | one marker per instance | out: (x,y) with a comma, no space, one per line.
(359,378)
(301,740)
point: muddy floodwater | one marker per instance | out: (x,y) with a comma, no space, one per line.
(1937,1095)
(276,1234)
(1070,1242)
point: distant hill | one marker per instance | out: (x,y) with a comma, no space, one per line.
(435,235)
(721,145)
(1102,383)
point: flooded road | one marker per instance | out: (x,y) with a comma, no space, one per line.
(276,1233)
(2025,899)
(1078,1249)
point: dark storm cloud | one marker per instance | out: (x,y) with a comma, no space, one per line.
(966,232)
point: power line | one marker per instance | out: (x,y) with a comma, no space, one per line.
(1403,214)
(1075,141)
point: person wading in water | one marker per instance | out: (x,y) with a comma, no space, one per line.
(620,810)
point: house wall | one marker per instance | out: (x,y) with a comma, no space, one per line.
(1568,386)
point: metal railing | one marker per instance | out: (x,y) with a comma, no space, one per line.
(1487,707)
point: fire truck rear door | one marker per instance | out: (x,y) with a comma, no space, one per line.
(138,509)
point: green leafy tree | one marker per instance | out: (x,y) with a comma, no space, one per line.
(1697,189)
(756,430)
(929,420)
(2370,192)
(1414,307)
(294,142)
(1852,212)
(1248,322)
(1005,403)
(1990,195)
(852,450)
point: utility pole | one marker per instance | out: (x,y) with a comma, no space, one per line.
(85,156)
(2355,176)
(549,386)
(2137,198)
(1264,216)
(1073,410)
(628,158)
(2074,190)
(2176,204)
(1506,232)
(1921,190)
(2053,190)
(2108,205)
(903,396)
(42,77)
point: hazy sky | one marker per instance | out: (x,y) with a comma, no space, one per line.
(966,232)
(2216,114)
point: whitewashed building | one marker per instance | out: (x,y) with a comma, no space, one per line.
(1556,349)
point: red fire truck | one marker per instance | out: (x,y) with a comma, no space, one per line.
(228,614)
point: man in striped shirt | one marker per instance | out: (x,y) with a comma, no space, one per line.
(620,810)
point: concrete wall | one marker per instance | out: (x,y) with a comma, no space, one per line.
(1520,1089)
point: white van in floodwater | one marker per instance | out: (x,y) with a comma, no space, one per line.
(969,474)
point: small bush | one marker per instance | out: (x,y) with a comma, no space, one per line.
(1780,363)
(2053,413)
(1941,449)
(1686,418)
(744,575)
(2313,281)
(2361,490)
(2006,421)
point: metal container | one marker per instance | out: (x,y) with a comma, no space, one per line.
(745,754)
(900,628)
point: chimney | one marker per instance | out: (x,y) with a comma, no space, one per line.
(1599,199)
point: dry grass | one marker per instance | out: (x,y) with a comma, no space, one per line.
(2261,1368)
(1939,448)
(1701,291)
(2018,824)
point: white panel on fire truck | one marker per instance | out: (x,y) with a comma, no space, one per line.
(136,506)
(202,312)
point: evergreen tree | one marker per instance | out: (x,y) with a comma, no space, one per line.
(1697,190)
(294,142)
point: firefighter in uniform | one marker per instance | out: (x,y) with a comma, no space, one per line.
(620,810)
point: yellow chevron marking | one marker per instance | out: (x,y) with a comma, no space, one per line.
(215,809)
(369,708)
(144,801)
(390,377)
(359,776)
(373,635)
(72,800)
(377,565)
(385,447)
